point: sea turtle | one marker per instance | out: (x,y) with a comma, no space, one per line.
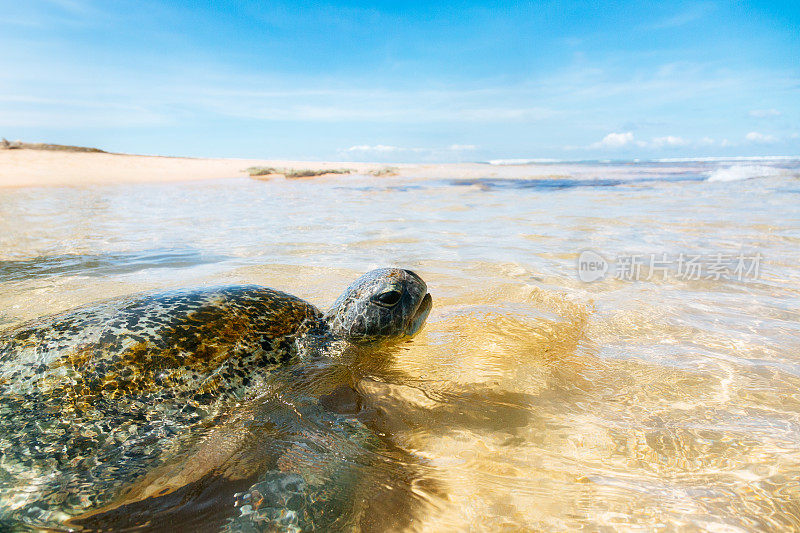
(94,399)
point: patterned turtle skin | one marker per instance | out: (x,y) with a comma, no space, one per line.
(94,398)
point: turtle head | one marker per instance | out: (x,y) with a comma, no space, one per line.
(382,305)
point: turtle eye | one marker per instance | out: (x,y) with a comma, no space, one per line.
(388,298)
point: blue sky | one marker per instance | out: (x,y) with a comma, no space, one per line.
(404,81)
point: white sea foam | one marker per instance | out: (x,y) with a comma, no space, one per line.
(729,158)
(744,172)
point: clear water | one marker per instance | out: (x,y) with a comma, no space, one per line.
(531,400)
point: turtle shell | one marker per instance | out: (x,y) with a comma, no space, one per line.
(92,399)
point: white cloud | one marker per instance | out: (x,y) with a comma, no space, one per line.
(113,117)
(764,113)
(492,114)
(669,140)
(376,106)
(760,138)
(627,139)
(387,150)
(615,140)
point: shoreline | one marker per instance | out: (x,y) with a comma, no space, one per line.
(37,167)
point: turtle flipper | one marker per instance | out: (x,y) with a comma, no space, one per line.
(198,487)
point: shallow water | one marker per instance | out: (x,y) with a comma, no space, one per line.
(532,399)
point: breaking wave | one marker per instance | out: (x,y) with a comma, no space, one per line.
(744,172)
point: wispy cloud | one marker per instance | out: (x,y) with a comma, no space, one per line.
(337,105)
(72,6)
(626,140)
(669,140)
(561,97)
(49,14)
(391,149)
(462,147)
(682,18)
(380,148)
(760,138)
(764,113)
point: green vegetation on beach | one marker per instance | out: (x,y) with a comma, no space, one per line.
(386,171)
(256,172)
(294,173)
(18,145)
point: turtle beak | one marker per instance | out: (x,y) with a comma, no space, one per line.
(420,315)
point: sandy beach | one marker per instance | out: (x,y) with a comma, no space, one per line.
(41,168)
(36,168)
